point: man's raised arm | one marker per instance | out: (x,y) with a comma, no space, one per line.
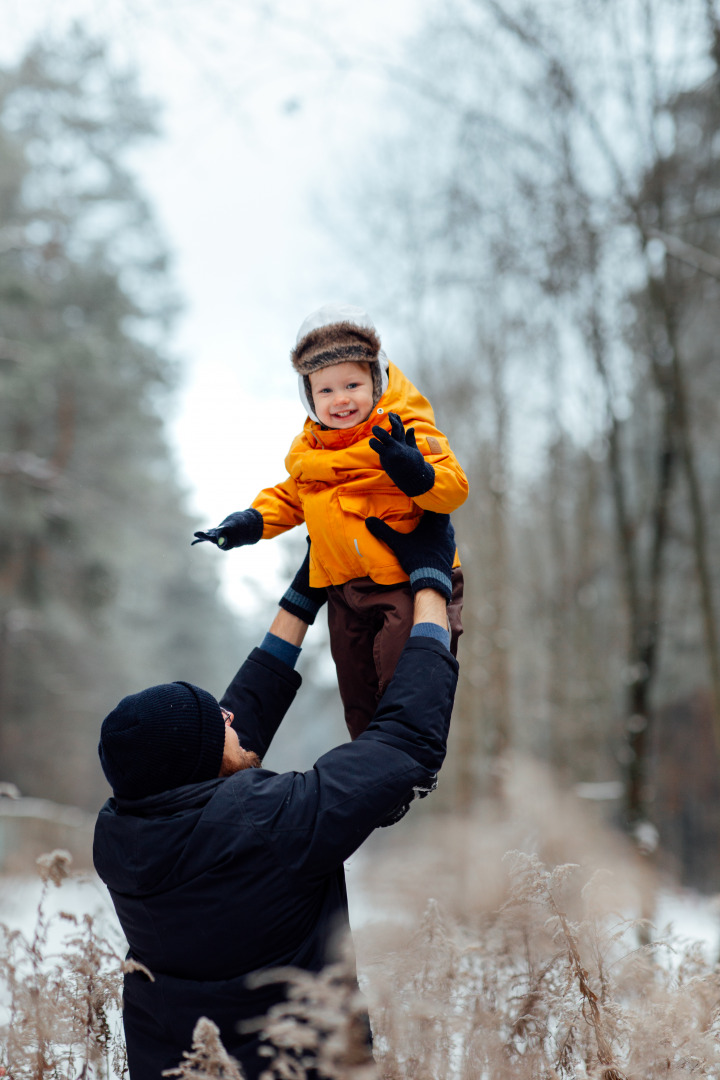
(266,684)
(357,786)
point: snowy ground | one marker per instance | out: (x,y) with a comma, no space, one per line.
(681,915)
(689,916)
(19,897)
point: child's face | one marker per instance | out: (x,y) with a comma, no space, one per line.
(342,394)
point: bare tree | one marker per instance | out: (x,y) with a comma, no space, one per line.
(559,151)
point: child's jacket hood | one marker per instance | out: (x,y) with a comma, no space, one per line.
(336,481)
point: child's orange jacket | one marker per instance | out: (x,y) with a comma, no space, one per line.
(335,481)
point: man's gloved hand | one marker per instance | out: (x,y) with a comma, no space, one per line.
(426,554)
(401,459)
(301,598)
(242,527)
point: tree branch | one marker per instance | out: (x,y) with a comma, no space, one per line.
(687,253)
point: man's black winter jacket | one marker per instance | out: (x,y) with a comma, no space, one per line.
(215,880)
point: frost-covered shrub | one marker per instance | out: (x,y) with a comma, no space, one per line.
(525,966)
(59,1011)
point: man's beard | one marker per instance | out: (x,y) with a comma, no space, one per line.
(251,760)
(246,759)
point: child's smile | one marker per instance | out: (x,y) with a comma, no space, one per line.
(342,394)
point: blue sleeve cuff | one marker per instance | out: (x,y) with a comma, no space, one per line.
(431,629)
(281,649)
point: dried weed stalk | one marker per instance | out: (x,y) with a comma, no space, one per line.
(547,982)
(322,1026)
(60,1011)
(208,1059)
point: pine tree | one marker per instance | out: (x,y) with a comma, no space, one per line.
(99,592)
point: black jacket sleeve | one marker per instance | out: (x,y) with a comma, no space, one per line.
(317,819)
(260,694)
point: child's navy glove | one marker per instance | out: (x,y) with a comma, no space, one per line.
(301,598)
(242,527)
(401,459)
(426,554)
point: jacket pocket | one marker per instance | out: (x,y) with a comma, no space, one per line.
(389,504)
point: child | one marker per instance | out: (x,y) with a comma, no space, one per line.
(354,459)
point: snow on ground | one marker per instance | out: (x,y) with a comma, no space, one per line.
(690,917)
(684,915)
(81,895)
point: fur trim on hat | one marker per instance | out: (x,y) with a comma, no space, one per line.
(335,344)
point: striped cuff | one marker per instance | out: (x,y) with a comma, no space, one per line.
(300,605)
(429,577)
(304,602)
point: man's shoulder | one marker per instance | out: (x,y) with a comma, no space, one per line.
(263,798)
(254,783)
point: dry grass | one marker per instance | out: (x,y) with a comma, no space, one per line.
(208,1058)
(517,953)
(62,1010)
(323,1024)
(508,950)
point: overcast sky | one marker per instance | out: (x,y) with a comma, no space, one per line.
(261,121)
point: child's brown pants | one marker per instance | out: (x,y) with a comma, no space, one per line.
(369,625)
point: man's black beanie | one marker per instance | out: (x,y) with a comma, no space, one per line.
(162,738)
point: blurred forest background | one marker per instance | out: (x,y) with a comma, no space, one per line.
(539,227)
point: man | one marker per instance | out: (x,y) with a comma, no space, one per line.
(218,867)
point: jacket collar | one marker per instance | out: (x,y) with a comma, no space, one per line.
(189,797)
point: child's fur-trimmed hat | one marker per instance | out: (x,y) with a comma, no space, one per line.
(335,334)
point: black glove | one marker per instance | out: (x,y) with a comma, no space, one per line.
(426,554)
(401,459)
(301,598)
(243,527)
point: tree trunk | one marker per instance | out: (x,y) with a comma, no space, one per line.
(642,603)
(698,515)
(498,701)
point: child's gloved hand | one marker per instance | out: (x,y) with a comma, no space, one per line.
(242,527)
(301,598)
(401,459)
(426,554)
